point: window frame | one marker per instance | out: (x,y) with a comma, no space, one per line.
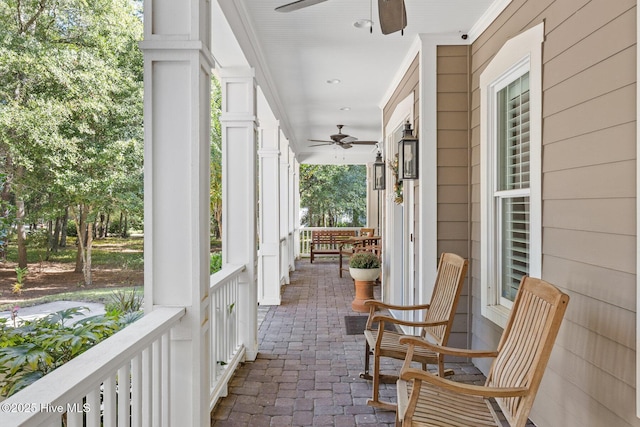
(518,56)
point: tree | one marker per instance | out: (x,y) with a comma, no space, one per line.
(333,195)
(215,189)
(70,107)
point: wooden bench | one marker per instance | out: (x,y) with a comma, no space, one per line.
(328,241)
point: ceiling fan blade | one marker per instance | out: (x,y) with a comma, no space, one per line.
(321,140)
(299,4)
(319,145)
(364,142)
(392,15)
(348,139)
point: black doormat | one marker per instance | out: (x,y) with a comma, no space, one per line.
(355,325)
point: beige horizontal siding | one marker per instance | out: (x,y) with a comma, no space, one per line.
(588,279)
(452,170)
(611,218)
(588,149)
(589,202)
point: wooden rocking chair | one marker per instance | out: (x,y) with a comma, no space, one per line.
(436,326)
(519,362)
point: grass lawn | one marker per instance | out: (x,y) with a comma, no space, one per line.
(117,263)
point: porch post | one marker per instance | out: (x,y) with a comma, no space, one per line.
(177,119)
(373,202)
(269,252)
(239,193)
(296,210)
(291,228)
(284,209)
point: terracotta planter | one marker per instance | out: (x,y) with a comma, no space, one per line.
(365,280)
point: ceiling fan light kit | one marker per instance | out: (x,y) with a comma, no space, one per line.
(363,23)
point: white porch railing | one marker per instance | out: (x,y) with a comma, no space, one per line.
(124,380)
(126,375)
(305,237)
(226,350)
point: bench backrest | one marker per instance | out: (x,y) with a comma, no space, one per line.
(330,237)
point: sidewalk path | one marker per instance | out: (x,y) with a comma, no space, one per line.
(41,310)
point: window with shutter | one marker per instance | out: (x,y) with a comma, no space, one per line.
(512,193)
(510,171)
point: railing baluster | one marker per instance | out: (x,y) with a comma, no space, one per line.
(156,375)
(109,401)
(213,331)
(74,414)
(93,407)
(166,365)
(136,391)
(124,396)
(147,387)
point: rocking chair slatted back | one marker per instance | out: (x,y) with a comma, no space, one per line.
(526,345)
(440,312)
(451,272)
(513,380)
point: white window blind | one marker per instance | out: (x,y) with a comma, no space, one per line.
(512,195)
(510,171)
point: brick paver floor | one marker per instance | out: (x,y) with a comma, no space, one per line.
(307,369)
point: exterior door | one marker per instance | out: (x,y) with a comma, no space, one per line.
(400,273)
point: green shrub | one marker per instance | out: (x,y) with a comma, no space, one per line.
(215,263)
(71,228)
(364,260)
(123,301)
(35,348)
(38,238)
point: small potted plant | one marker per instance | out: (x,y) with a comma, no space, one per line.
(364,266)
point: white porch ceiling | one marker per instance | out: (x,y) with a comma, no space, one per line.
(295,53)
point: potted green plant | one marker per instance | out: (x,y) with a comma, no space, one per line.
(364,266)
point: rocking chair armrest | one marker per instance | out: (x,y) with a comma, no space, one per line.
(452,351)
(372,303)
(386,318)
(408,374)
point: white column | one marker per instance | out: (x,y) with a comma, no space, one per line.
(284,209)
(269,251)
(428,212)
(239,194)
(177,72)
(291,235)
(296,210)
(373,202)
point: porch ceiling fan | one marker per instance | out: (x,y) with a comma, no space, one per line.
(343,140)
(392,13)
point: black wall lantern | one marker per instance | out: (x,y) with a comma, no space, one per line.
(379,173)
(408,154)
